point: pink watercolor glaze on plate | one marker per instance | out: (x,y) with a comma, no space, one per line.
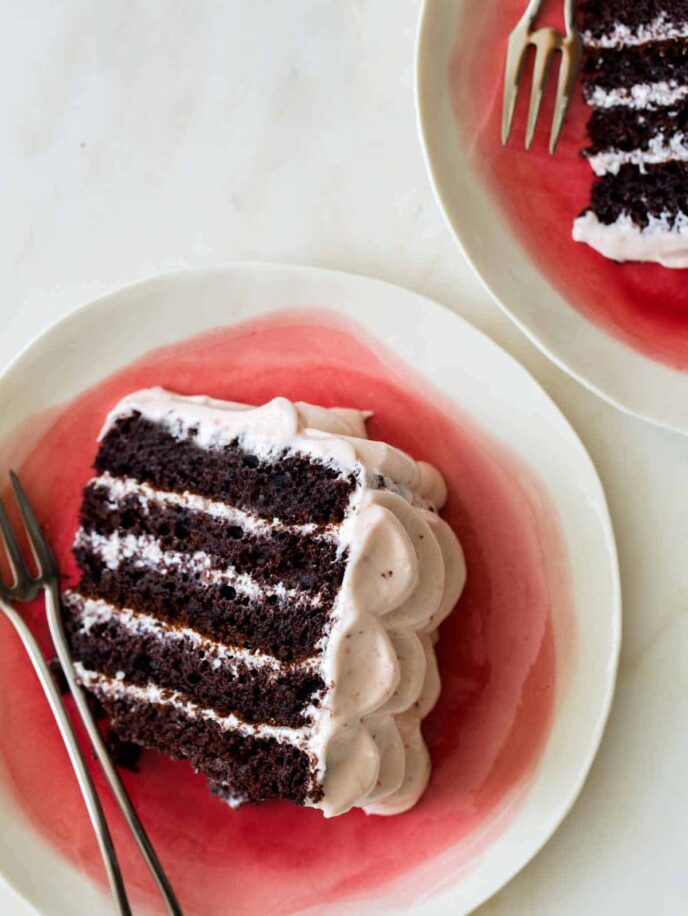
(496,652)
(645,305)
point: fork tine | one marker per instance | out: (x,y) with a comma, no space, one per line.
(515,58)
(519,39)
(39,545)
(545,46)
(12,550)
(571,54)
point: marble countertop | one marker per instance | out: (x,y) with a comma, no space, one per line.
(140,137)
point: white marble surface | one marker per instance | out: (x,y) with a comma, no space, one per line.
(148,135)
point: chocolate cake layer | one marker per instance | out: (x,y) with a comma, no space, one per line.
(254,694)
(661,191)
(627,129)
(655,62)
(296,560)
(600,17)
(284,628)
(257,768)
(292,488)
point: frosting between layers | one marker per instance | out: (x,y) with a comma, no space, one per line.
(641,95)
(119,688)
(658,29)
(145,550)
(404,574)
(660,149)
(91,611)
(121,487)
(624,240)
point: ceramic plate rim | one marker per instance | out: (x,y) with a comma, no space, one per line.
(660,407)
(597,506)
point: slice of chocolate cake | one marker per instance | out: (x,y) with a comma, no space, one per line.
(260,594)
(636,81)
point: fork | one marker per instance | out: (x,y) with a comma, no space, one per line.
(545,41)
(25,588)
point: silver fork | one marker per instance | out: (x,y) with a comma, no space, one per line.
(546,41)
(24,588)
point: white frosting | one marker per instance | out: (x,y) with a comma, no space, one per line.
(431,485)
(413,664)
(392,755)
(660,149)
(454,570)
(404,573)
(641,95)
(415,611)
(658,29)
(416,771)
(432,686)
(624,240)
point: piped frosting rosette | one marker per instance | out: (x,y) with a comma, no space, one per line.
(406,572)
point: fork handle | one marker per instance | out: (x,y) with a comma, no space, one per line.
(95,810)
(59,639)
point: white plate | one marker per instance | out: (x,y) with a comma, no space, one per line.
(484,382)
(606,365)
